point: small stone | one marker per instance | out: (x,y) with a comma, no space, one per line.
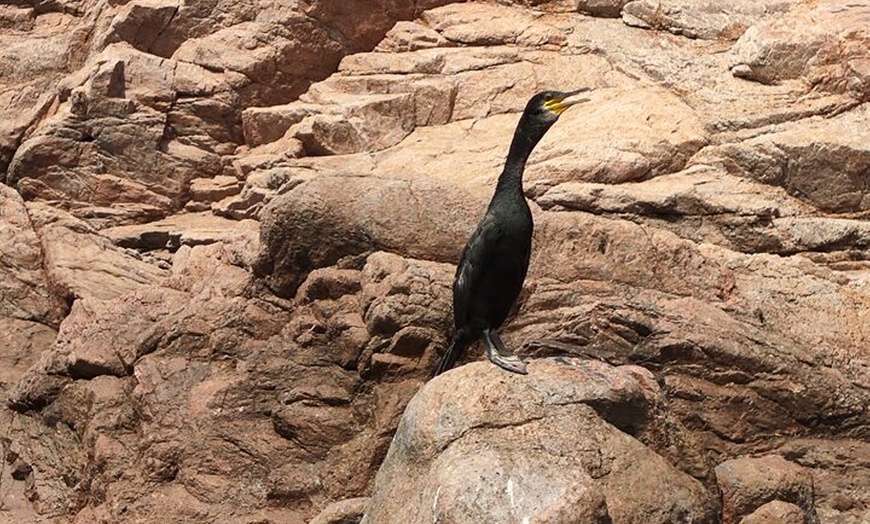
(214,189)
(742,71)
(747,484)
(776,512)
(348,511)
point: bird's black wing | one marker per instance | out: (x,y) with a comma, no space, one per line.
(476,257)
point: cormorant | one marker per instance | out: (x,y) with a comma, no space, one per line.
(494,262)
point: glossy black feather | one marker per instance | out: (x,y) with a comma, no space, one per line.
(495,260)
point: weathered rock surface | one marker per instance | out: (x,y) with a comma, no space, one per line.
(84,264)
(824,43)
(823,161)
(700,19)
(178,389)
(227,236)
(191,229)
(479,444)
(126,105)
(776,512)
(316,224)
(25,290)
(348,511)
(749,484)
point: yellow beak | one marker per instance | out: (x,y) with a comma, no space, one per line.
(558,105)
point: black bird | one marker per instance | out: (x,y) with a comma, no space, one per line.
(494,262)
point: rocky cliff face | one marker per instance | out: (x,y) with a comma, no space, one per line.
(228,231)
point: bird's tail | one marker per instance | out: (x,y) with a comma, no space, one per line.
(457,348)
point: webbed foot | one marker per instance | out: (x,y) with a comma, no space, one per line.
(510,363)
(499,355)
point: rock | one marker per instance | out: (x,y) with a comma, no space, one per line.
(296,51)
(14,17)
(310,226)
(22,342)
(89,345)
(193,229)
(511,431)
(315,427)
(27,293)
(144,25)
(151,354)
(176,68)
(42,490)
(388,119)
(727,291)
(605,8)
(700,19)
(411,36)
(623,139)
(824,43)
(799,158)
(697,191)
(348,511)
(397,292)
(327,121)
(486,25)
(677,228)
(749,484)
(37,52)
(836,496)
(208,190)
(84,264)
(297,46)
(776,512)
(704,203)
(365,23)
(104,133)
(262,125)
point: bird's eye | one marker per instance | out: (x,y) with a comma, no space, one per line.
(548,97)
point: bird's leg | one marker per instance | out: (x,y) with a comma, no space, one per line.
(500,356)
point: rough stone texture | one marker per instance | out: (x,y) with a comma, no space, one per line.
(478,444)
(191,229)
(120,107)
(324,227)
(700,19)
(25,290)
(605,8)
(84,264)
(823,161)
(776,512)
(749,484)
(824,43)
(107,144)
(177,389)
(228,232)
(207,190)
(348,511)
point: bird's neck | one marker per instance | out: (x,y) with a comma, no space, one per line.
(524,141)
(511,178)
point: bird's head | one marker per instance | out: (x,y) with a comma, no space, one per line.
(541,113)
(546,106)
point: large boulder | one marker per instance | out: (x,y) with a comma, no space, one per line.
(563,444)
(317,223)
